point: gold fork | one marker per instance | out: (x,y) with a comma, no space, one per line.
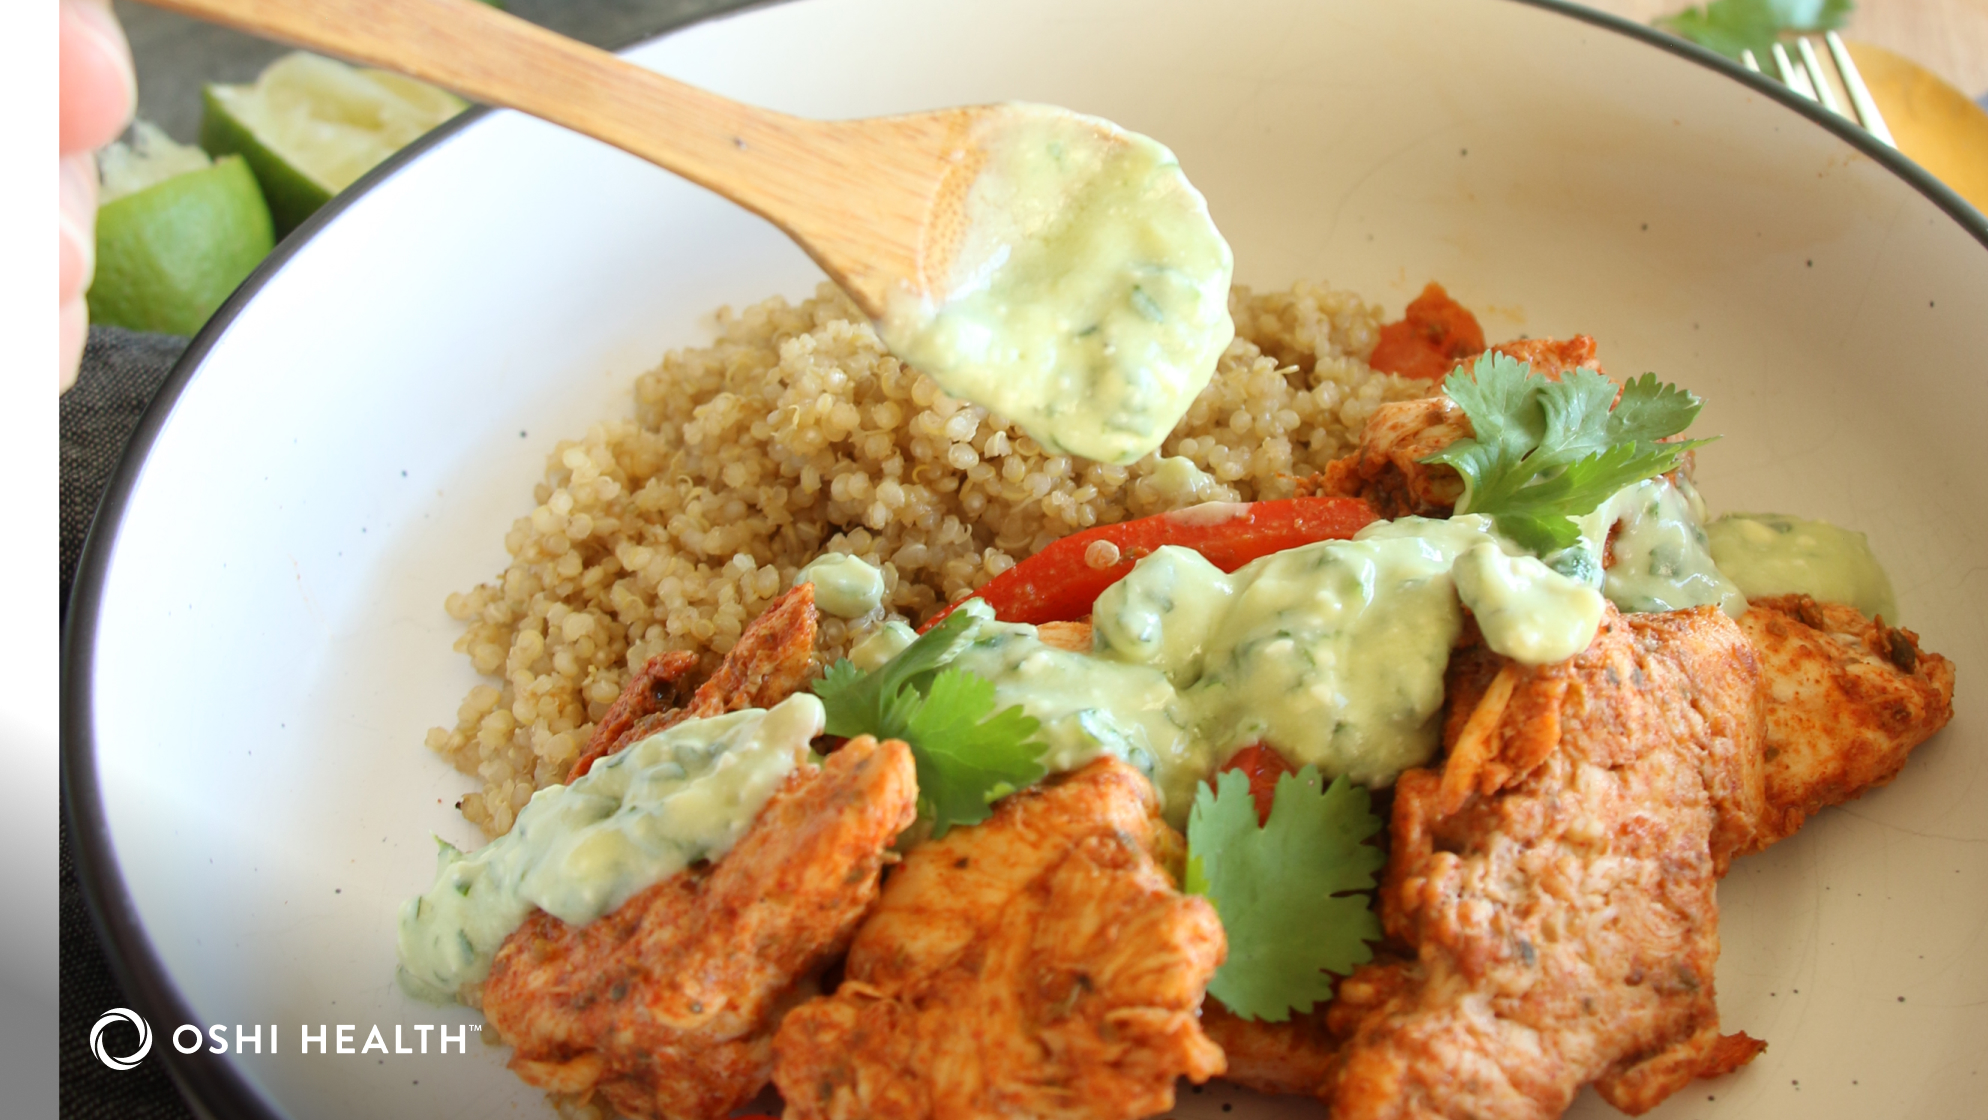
(1812,80)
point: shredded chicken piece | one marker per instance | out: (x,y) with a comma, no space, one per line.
(1847,700)
(1387,470)
(1299,1055)
(1295,1056)
(771,661)
(658,687)
(667,1005)
(1039,964)
(1563,916)
(1552,358)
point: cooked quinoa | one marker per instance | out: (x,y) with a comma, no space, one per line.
(795,434)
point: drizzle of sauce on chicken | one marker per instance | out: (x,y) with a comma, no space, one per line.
(667,1006)
(1845,699)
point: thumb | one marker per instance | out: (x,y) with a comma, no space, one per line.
(99,89)
(77,225)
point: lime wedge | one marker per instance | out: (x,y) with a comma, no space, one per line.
(174,235)
(311,126)
(148,157)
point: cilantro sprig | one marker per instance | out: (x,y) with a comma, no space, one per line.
(1287,892)
(1731,26)
(968,755)
(1547,452)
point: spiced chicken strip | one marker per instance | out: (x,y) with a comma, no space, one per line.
(1041,964)
(667,1005)
(1848,697)
(1295,1056)
(1556,881)
(770,662)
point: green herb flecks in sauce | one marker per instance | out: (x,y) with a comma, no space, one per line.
(1663,560)
(578,851)
(1088,298)
(1089,706)
(1531,618)
(1334,652)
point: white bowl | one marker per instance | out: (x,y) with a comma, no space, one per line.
(257,643)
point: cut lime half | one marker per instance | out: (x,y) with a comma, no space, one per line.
(311,126)
(174,235)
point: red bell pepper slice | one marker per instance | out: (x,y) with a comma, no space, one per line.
(1060,583)
(1263,766)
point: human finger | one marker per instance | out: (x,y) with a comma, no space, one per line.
(99,90)
(78,222)
(75,331)
(77,225)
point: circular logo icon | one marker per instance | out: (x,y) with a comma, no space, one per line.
(144,1038)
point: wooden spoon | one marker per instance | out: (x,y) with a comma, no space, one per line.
(877,203)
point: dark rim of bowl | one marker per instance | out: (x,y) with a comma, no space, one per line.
(219,1088)
(210,1088)
(1849,131)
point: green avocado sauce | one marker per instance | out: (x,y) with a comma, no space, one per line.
(845,586)
(1088,299)
(578,851)
(1334,652)
(1774,554)
(1663,559)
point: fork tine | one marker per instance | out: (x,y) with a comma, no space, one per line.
(1750,62)
(1791,75)
(1813,65)
(1860,94)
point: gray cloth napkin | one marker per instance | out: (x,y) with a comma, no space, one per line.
(122,372)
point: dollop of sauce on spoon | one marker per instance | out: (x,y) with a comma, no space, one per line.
(1087,299)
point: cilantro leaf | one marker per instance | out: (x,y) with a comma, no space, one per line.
(1577,414)
(1651,410)
(967,759)
(1284,891)
(1534,517)
(1546,451)
(1731,26)
(1503,391)
(882,702)
(968,756)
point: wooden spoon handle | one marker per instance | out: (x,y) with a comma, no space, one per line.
(490,56)
(855,194)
